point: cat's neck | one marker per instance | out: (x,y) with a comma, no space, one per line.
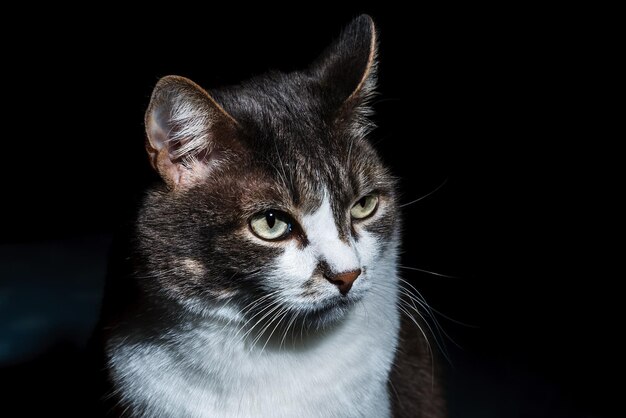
(200,364)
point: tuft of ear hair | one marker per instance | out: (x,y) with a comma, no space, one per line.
(186,131)
(347,68)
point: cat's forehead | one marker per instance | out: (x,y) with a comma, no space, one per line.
(286,128)
(293,143)
(299,178)
(278,106)
(294,180)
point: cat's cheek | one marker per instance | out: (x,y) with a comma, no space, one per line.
(367,248)
(193,267)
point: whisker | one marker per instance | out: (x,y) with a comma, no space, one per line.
(443,183)
(414,300)
(386,100)
(418,298)
(438,340)
(430,308)
(281,315)
(268,305)
(258,301)
(275,315)
(429,272)
(421,300)
(291,321)
(428,345)
(274,307)
(304,323)
(255,303)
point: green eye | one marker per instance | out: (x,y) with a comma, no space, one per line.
(364,207)
(270,225)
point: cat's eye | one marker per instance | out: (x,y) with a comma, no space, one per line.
(364,207)
(271,225)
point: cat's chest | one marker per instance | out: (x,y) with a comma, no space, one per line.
(343,375)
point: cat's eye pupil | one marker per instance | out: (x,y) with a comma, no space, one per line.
(270,218)
(363,201)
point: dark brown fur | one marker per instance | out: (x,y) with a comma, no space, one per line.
(415,381)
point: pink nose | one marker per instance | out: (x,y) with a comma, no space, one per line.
(344,280)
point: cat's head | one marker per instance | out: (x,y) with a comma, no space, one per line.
(273,194)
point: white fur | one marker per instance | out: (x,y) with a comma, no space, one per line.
(194,124)
(182,122)
(206,370)
(323,236)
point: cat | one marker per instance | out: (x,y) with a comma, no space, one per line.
(264,267)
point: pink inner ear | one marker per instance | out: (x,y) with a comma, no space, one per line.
(178,175)
(157,133)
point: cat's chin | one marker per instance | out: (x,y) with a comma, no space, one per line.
(329,312)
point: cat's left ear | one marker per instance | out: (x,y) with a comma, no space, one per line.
(347,68)
(188,132)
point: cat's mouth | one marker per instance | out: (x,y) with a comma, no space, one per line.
(331,309)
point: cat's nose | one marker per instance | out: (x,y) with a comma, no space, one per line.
(343,280)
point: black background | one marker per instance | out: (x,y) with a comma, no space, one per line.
(473,101)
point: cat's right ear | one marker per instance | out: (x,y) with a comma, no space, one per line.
(185,129)
(347,68)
